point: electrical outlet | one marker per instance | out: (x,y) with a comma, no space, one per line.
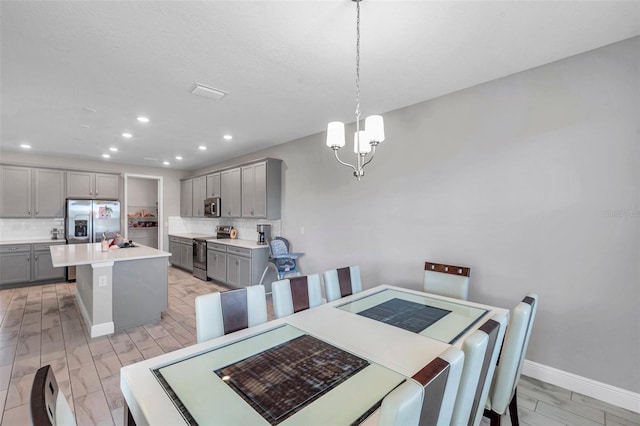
(102,281)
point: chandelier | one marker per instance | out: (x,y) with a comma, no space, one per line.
(366,140)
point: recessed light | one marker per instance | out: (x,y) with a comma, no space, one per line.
(106,156)
(25,146)
(166,163)
(127,135)
(227,137)
(143,119)
(84,126)
(202,148)
(178,157)
(113,149)
(88,109)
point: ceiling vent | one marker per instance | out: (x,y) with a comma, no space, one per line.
(207,92)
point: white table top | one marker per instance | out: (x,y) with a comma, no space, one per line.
(402,351)
(86,254)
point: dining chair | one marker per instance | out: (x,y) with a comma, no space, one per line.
(402,406)
(507,374)
(295,294)
(447,280)
(440,379)
(224,312)
(49,406)
(342,282)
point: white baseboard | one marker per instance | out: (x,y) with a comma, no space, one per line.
(598,390)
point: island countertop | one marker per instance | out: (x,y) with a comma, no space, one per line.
(85,254)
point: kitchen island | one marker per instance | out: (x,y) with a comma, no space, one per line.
(119,288)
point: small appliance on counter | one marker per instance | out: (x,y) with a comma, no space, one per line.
(55,233)
(225,231)
(264,234)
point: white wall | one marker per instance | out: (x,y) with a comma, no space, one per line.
(531,180)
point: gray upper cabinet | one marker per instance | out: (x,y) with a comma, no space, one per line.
(92,185)
(186,198)
(15,191)
(48,193)
(230,193)
(261,190)
(199,195)
(213,185)
(26,192)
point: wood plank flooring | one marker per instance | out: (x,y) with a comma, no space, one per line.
(41,325)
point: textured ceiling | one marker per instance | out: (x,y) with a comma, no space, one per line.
(288,66)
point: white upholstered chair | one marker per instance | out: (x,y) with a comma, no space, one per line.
(295,294)
(342,282)
(440,379)
(48,405)
(224,312)
(447,280)
(402,406)
(505,381)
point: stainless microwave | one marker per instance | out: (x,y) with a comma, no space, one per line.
(212,207)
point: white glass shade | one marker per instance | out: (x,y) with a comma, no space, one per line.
(374,125)
(364,143)
(335,134)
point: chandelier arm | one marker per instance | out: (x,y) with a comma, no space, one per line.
(335,151)
(373,152)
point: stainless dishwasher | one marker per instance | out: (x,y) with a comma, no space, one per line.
(200,259)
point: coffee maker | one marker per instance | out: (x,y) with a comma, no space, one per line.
(264,234)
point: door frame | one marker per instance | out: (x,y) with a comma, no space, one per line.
(160,186)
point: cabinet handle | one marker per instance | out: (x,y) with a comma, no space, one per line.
(13,248)
(28,259)
(36,258)
(37,212)
(28,211)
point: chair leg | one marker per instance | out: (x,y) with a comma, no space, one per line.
(493,417)
(513,409)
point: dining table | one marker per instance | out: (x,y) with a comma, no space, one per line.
(332,364)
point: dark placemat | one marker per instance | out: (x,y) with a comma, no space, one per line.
(284,379)
(405,314)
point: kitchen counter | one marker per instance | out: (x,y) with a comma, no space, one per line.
(191,236)
(84,254)
(249,244)
(32,241)
(117,289)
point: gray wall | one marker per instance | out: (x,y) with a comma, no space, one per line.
(531,180)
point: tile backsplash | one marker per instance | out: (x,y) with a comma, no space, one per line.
(29,229)
(246,227)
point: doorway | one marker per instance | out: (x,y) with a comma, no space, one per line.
(143,206)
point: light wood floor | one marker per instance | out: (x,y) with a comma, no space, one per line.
(41,325)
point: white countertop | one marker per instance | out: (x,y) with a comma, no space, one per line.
(248,244)
(85,254)
(192,236)
(36,241)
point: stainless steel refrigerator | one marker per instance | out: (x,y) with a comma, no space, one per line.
(87,220)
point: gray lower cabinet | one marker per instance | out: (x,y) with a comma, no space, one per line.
(217,262)
(236,266)
(181,250)
(23,264)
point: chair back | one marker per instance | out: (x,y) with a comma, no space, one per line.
(402,406)
(474,348)
(514,349)
(48,404)
(295,294)
(440,379)
(342,282)
(447,280)
(224,312)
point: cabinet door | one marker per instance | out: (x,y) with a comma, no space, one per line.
(80,184)
(106,187)
(43,268)
(199,195)
(187,256)
(238,270)
(176,253)
(186,198)
(213,185)
(49,193)
(16,268)
(248,191)
(15,191)
(217,266)
(230,193)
